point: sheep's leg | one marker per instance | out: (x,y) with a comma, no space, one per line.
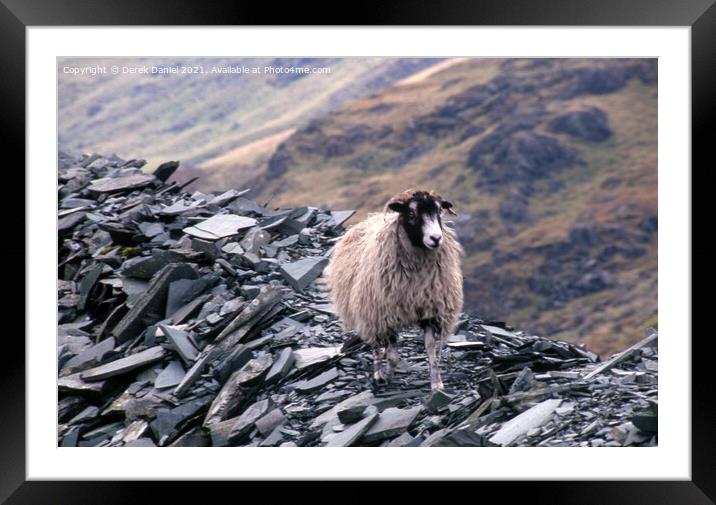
(379,372)
(392,356)
(433,344)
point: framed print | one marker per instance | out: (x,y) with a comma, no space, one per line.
(308,245)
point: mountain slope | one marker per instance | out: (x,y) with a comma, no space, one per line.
(552,164)
(221,126)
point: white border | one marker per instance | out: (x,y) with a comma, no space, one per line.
(671,460)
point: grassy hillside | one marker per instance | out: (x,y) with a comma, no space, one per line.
(552,164)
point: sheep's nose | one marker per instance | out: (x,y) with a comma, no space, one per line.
(436,239)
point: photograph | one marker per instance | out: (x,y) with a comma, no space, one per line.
(358,251)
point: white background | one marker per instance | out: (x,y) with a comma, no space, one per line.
(671,460)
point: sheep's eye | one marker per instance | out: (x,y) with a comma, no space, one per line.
(412,215)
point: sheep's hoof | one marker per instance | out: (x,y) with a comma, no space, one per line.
(380,378)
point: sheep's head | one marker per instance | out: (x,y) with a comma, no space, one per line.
(420,216)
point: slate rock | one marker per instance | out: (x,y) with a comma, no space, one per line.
(94,353)
(391,422)
(437,401)
(125,365)
(318,382)
(149,308)
(353,433)
(246,421)
(117,184)
(310,356)
(88,414)
(145,267)
(165,170)
(341,216)
(301,273)
(180,342)
(170,376)
(220,226)
(268,423)
(235,390)
(281,366)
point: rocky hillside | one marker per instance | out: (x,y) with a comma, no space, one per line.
(551,163)
(192,319)
(222,126)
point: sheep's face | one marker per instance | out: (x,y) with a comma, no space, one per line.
(420,216)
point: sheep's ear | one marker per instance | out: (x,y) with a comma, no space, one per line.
(396,206)
(448,206)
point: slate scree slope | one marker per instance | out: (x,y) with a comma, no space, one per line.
(196,320)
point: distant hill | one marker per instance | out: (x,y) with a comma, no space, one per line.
(221,126)
(552,164)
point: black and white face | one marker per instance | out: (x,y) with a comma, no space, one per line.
(421,218)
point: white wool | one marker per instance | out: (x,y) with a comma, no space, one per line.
(381,283)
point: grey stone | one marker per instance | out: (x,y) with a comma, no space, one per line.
(246,421)
(282,365)
(145,267)
(287,242)
(170,376)
(219,226)
(151,230)
(255,239)
(310,385)
(150,307)
(390,423)
(180,342)
(341,216)
(124,365)
(437,401)
(96,353)
(88,414)
(270,421)
(301,273)
(521,424)
(88,282)
(310,356)
(234,392)
(126,183)
(350,435)
(165,170)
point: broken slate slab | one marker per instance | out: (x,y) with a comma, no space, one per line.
(165,170)
(96,352)
(331,416)
(310,385)
(281,367)
(170,376)
(391,422)
(115,184)
(301,273)
(74,384)
(234,392)
(220,226)
(350,435)
(305,358)
(437,401)
(270,421)
(180,342)
(146,266)
(246,421)
(149,308)
(88,282)
(124,365)
(341,216)
(527,420)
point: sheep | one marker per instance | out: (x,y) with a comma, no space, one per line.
(398,269)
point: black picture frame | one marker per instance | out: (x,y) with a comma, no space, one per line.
(17,15)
